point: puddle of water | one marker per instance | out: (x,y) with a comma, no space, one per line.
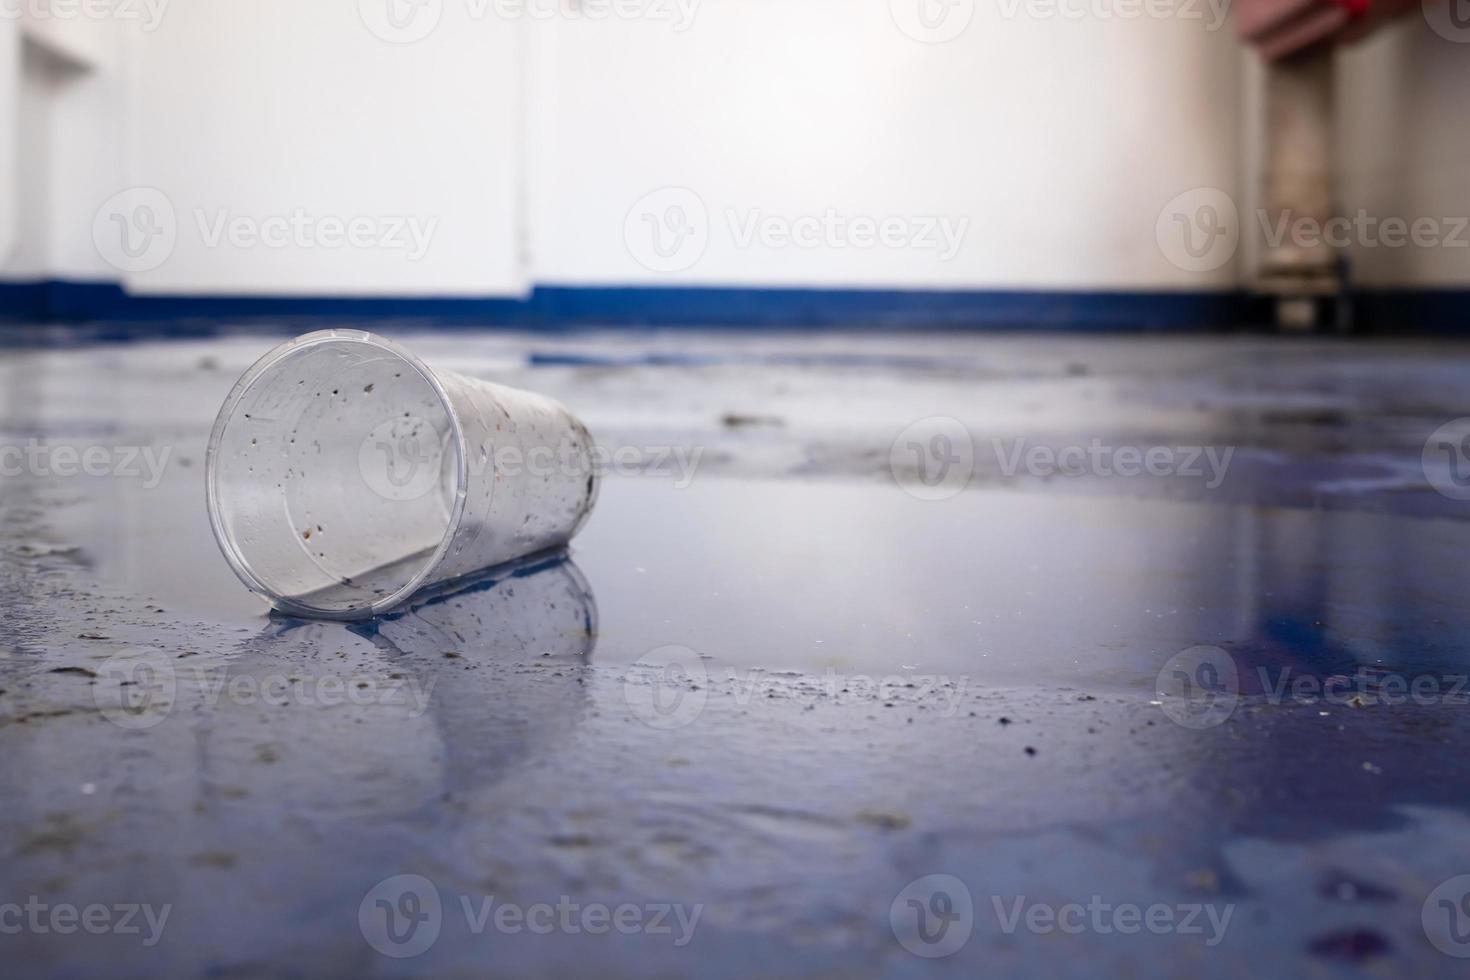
(1085,592)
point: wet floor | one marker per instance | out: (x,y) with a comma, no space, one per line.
(797,702)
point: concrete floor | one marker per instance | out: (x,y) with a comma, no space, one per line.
(876,688)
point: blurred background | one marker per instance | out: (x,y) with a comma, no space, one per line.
(1020,162)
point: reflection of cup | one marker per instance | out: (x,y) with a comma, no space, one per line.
(444,693)
(503,656)
(537,609)
(312,795)
(345,476)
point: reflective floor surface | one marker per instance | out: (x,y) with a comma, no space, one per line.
(870,662)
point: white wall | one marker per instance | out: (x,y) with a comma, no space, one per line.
(276,109)
(525,150)
(1404,143)
(9,135)
(1059,141)
(68,142)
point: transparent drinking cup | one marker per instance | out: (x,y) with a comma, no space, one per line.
(344,475)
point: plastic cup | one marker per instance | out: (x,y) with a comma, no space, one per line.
(344,475)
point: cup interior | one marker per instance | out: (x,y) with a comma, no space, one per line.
(335,474)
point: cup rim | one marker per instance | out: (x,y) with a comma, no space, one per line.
(227,411)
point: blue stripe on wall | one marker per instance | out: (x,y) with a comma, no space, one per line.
(892,308)
(567,306)
(556,307)
(1411,311)
(63,301)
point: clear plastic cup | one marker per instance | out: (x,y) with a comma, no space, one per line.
(344,475)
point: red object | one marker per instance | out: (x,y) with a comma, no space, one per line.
(1281,28)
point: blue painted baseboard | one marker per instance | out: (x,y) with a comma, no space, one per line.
(103,304)
(1414,311)
(575,306)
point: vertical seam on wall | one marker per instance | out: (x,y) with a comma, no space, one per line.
(525,260)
